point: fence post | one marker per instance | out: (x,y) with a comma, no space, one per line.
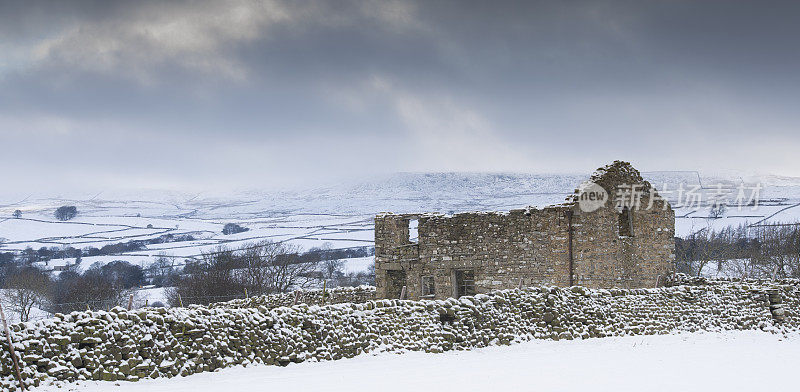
(245,293)
(130,302)
(11,348)
(296,297)
(180,301)
(403,293)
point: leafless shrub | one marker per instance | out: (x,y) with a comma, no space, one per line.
(162,271)
(778,254)
(331,268)
(100,287)
(209,280)
(765,251)
(717,210)
(27,288)
(272,267)
(262,268)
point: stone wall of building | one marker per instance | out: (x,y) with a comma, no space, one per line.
(529,246)
(603,259)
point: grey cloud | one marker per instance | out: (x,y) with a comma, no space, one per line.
(543,86)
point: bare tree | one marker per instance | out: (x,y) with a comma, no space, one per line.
(705,246)
(331,268)
(742,268)
(717,210)
(272,267)
(261,268)
(96,289)
(211,279)
(779,252)
(767,251)
(162,270)
(256,262)
(25,289)
(353,279)
(707,251)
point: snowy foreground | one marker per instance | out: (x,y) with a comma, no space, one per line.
(730,361)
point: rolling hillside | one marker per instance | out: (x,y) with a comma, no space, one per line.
(337,216)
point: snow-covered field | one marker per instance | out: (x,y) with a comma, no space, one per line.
(337,216)
(341,216)
(730,361)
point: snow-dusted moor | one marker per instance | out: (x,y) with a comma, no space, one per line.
(399,195)
(339,216)
(109,344)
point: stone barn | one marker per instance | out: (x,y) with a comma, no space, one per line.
(615,231)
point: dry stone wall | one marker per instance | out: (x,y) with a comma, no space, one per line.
(150,342)
(335,295)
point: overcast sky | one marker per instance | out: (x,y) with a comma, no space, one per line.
(192,95)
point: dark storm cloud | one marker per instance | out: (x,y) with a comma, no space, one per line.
(159,92)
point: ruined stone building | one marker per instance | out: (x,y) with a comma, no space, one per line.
(625,240)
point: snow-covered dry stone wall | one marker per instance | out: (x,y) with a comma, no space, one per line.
(336,295)
(149,342)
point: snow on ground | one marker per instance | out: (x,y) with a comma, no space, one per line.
(357,264)
(12,316)
(150,295)
(145,295)
(730,361)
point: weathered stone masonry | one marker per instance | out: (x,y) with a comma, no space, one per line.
(501,250)
(159,342)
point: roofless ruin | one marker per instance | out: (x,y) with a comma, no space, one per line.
(625,239)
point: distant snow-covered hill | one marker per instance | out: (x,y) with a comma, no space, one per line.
(339,215)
